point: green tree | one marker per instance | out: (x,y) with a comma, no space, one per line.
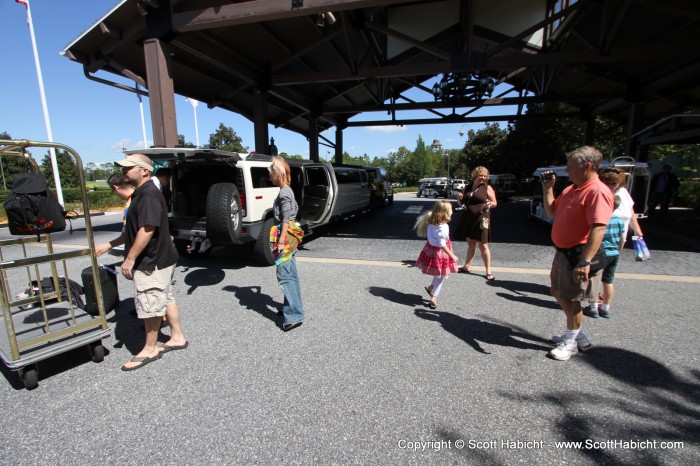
(225,138)
(398,165)
(181,141)
(67,170)
(9,165)
(484,148)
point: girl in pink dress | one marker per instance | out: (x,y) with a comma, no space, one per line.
(436,258)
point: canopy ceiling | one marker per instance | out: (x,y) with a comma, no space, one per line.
(601,56)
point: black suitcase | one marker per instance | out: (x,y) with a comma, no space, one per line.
(110,292)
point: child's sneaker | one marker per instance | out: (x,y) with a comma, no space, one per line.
(588,312)
(582,340)
(564,351)
(604,314)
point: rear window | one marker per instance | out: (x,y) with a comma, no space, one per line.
(350,176)
(261,177)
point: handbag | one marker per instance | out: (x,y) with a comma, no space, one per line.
(484,222)
(573,255)
(641,251)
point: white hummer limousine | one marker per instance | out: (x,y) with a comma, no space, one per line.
(225,198)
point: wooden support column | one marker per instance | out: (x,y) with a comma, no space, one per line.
(588,131)
(634,125)
(313,139)
(260,122)
(161,92)
(338,145)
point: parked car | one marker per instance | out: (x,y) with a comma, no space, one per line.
(382,188)
(429,186)
(225,198)
(458,186)
(440,188)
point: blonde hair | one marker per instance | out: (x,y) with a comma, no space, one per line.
(280,168)
(439,214)
(478,171)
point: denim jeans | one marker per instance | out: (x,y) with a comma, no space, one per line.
(288,279)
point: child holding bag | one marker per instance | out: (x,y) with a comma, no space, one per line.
(436,258)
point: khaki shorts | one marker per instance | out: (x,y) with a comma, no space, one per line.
(154,292)
(562,280)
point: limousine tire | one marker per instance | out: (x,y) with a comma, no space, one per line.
(262,251)
(223,213)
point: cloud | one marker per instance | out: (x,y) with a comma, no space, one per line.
(127,144)
(387,129)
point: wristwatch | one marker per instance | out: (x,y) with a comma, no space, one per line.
(584,262)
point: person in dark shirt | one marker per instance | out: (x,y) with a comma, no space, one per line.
(150,261)
(663,186)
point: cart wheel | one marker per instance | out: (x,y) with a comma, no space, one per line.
(98,352)
(30,378)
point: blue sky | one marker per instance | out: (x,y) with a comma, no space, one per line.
(97,120)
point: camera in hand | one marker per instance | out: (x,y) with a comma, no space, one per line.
(547,176)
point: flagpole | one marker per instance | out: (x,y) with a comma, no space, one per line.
(143,121)
(47,121)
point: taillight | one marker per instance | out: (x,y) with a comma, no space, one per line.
(243,206)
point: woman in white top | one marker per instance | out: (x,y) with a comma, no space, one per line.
(614,178)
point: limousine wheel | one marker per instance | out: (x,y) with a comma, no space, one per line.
(223,213)
(262,251)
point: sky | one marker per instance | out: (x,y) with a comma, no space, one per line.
(98,120)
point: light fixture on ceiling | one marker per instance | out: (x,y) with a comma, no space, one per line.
(460,88)
(325,19)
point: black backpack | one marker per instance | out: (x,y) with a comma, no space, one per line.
(31,208)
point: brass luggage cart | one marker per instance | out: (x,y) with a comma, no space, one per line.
(45,324)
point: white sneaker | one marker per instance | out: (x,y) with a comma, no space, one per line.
(564,351)
(582,340)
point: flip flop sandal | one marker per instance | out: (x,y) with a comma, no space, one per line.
(432,306)
(169,348)
(142,360)
(490,278)
(466,269)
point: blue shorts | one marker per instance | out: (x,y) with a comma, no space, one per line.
(609,270)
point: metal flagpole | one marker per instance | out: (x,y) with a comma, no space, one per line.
(47,122)
(196,127)
(143,122)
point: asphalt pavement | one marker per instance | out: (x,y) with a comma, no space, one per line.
(374,376)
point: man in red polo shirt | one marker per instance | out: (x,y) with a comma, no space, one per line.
(581,214)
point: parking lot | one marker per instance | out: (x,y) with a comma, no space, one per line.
(374,376)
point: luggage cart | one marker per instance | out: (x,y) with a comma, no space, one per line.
(44,325)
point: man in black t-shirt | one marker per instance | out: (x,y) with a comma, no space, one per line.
(150,261)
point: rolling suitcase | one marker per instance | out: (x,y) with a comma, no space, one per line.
(110,292)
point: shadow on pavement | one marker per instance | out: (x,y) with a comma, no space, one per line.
(395,296)
(475,331)
(252,298)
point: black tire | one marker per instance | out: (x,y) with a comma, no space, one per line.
(97,351)
(391,199)
(30,378)
(435,195)
(223,214)
(262,251)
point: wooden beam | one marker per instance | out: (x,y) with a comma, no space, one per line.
(256,11)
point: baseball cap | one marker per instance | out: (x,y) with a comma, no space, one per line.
(132,161)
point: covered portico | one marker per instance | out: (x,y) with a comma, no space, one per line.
(310,65)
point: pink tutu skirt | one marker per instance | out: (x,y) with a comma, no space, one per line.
(434,261)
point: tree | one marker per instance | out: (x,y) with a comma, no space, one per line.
(67,170)
(225,138)
(181,141)
(9,165)
(484,147)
